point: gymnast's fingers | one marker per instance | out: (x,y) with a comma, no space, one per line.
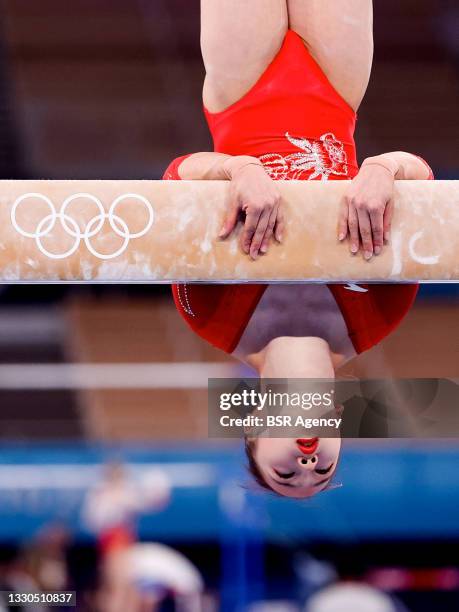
(262,227)
(250,226)
(343,218)
(376,218)
(387,221)
(269,231)
(280,224)
(365,232)
(230,220)
(353,224)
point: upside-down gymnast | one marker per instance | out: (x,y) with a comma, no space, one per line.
(284,80)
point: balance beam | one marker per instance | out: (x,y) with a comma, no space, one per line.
(165,231)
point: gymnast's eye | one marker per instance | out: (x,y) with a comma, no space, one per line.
(286,476)
(324,471)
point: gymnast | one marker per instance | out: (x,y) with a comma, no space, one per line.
(284,80)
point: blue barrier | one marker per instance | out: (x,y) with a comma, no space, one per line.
(388,491)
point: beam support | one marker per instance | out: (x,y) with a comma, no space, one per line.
(164,231)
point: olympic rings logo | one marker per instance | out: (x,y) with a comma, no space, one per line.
(72,228)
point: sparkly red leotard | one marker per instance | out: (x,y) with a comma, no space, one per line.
(298,125)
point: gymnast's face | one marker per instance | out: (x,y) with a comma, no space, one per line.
(296,467)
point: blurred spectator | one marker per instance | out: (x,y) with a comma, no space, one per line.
(117,500)
(351,597)
(46,558)
(20,580)
(159,571)
(137,577)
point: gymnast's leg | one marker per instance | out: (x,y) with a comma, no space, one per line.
(239,38)
(339,35)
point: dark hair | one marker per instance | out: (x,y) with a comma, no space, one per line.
(253,466)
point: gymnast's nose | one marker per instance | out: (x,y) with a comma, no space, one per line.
(309,462)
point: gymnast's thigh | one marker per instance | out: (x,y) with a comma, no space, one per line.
(239,39)
(339,35)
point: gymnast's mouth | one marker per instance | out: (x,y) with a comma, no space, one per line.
(308,446)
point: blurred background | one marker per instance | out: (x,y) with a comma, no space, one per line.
(109,484)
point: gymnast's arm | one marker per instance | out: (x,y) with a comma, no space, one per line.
(252,193)
(367,210)
(404,166)
(213,166)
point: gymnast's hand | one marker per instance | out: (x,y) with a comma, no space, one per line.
(367,209)
(254,195)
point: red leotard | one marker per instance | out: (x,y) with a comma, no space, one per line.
(301,128)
